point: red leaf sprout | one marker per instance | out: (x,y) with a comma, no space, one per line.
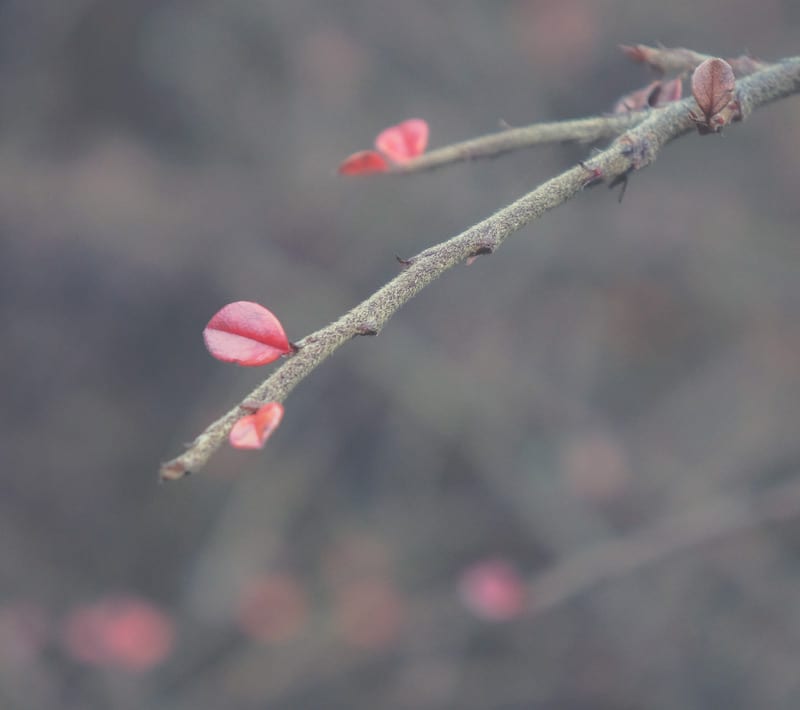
(396,144)
(363,163)
(253,430)
(404,141)
(246,333)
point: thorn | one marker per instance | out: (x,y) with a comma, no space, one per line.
(295,347)
(250,406)
(483,249)
(620,180)
(366,329)
(405,263)
(595,175)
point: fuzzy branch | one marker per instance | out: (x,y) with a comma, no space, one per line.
(582,130)
(633,150)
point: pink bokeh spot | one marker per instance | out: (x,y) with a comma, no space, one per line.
(492,590)
(24,632)
(273,608)
(127,633)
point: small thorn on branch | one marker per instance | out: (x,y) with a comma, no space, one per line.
(480,250)
(594,177)
(620,180)
(367,329)
(405,263)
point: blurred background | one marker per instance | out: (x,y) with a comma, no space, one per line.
(451,514)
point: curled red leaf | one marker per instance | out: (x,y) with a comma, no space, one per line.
(245,333)
(404,141)
(363,163)
(656,93)
(253,430)
(639,99)
(671,91)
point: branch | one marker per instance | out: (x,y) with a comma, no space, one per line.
(676,60)
(583,130)
(706,524)
(633,150)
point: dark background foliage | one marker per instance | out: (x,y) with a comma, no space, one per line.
(610,366)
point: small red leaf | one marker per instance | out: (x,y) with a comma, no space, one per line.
(713,84)
(245,333)
(363,163)
(253,430)
(404,141)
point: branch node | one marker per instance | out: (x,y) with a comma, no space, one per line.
(173,471)
(367,329)
(639,151)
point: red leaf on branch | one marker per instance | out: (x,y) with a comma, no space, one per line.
(656,93)
(639,99)
(404,141)
(245,333)
(253,430)
(713,84)
(363,163)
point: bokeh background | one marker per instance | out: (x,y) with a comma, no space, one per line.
(615,372)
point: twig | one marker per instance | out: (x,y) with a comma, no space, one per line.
(675,60)
(704,525)
(632,151)
(582,130)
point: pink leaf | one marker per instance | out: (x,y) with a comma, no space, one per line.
(246,333)
(253,430)
(363,163)
(404,141)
